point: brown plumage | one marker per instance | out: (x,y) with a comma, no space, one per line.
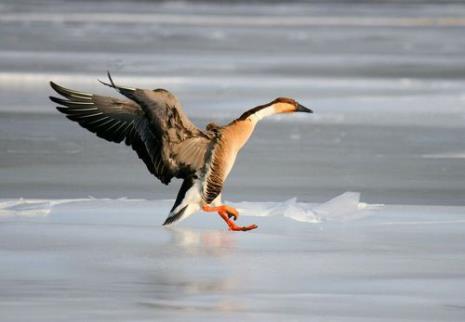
(154,124)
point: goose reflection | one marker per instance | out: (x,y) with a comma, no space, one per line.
(210,242)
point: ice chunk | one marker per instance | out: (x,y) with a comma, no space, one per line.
(298,211)
(343,207)
(346,206)
(290,209)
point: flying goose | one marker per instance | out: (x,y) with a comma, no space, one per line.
(154,124)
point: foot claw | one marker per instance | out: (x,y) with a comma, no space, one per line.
(231,212)
(232,215)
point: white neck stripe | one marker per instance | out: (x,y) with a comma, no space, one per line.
(267,111)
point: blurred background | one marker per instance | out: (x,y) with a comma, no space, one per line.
(386,80)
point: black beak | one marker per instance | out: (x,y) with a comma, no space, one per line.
(301,108)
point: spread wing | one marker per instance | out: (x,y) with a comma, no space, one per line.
(168,143)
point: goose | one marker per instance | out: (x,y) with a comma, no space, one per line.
(154,125)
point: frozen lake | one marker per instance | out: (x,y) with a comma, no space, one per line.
(80,234)
(108,260)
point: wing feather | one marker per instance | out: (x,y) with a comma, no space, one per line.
(151,122)
(173,128)
(111,119)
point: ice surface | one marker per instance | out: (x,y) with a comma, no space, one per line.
(344,207)
(356,63)
(111,260)
(450,155)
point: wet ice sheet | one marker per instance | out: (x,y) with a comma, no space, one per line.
(107,260)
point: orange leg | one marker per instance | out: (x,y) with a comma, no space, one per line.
(226,212)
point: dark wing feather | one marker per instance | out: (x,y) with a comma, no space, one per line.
(151,122)
(184,146)
(114,120)
(107,117)
(174,129)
